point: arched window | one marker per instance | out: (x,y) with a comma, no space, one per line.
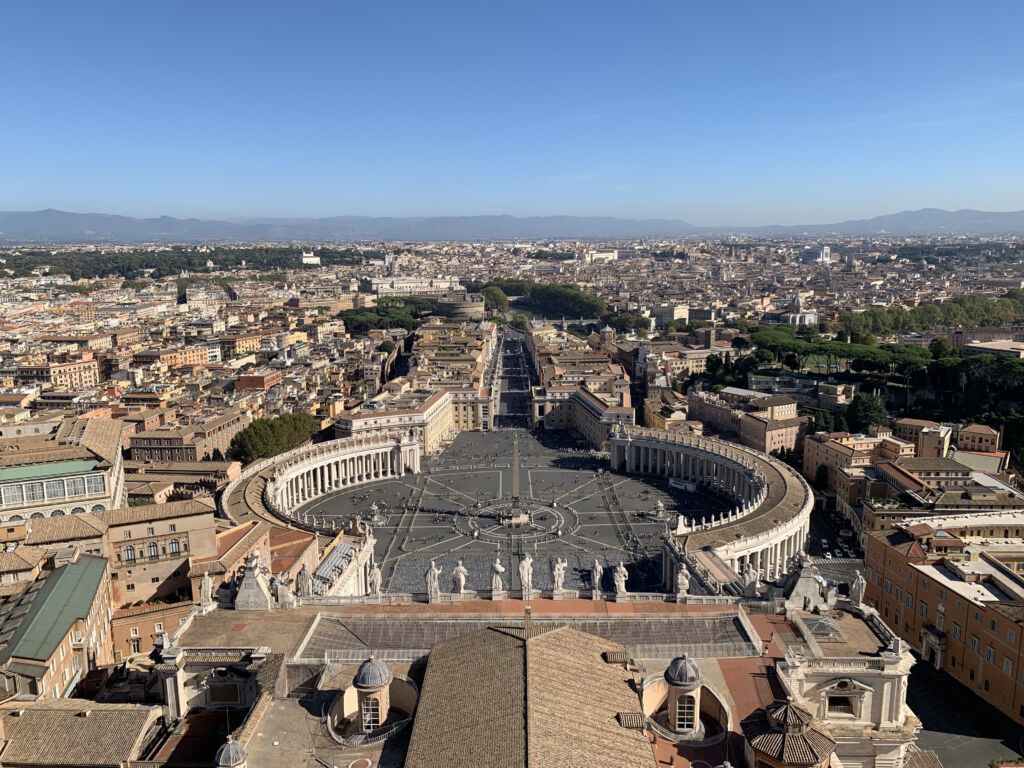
(175,547)
(78,511)
(129,553)
(57,513)
(151,549)
(371,714)
(684,713)
(37,515)
(97,508)
(12,518)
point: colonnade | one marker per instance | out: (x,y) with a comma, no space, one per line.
(338,465)
(734,471)
(712,465)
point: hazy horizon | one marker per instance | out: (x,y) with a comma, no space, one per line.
(724,116)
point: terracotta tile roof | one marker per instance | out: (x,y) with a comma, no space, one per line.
(499,699)
(788,734)
(53,732)
(925,758)
(149,512)
(21,559)
(62,528)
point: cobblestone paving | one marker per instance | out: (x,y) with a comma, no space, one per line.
(581,512)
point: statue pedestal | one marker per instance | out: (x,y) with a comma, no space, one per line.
(456,597)
(596,594)
(529,594)
(621,597)
(433,598)
(681,597)
(373,600)
(497,594)
(557,595)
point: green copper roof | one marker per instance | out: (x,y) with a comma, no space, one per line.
(66,596)
(56,469)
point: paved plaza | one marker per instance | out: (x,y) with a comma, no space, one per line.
(571,507)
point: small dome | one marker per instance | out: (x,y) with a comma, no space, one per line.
(230,754)
(683,672)
(372,674)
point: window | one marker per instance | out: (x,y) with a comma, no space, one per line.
(898,594)
(939,620)
(33,491)
(990,654)
(942,594)
(135,646)
(134,631)
(993,625)
(1010,636)
(159,626)
(129,587)
(151,549)
(1007,666)
(173,528)
(684,713)
(955,630)
(95,484)
(371,714)
(888,587)
(922,608)
(840,705)
(977,616)
(55,489)
(975,643)
(149,531)
(175,546)
(127,534)
(76,486)
(129,553)
(910,600)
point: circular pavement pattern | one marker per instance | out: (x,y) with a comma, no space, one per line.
(462,507)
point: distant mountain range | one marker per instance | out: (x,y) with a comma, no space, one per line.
(62,227)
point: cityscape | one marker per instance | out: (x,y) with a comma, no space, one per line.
(526,397)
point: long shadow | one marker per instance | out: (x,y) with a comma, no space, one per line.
(946,706)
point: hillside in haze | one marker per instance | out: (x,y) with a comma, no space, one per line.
(61,226)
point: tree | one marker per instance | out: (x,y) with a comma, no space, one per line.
(519,321)
(387,346)
(495,298)
(941,348)
(865,338)
(713,365)
(740,342)
(866,411)
(269,437)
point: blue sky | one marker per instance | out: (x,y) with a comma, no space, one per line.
(717,113)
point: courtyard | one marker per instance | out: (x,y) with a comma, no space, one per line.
(460,507)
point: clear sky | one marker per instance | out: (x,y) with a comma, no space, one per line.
(719,113)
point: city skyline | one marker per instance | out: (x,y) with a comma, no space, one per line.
(722,117)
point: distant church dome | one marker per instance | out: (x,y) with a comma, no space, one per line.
(230,754)
(683,672)
(372,674)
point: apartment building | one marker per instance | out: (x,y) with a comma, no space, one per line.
(953,587)
(74,469)
(52,634)
(71,374)
(192,442)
